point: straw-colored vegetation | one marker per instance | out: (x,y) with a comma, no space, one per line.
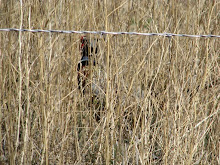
(158,97)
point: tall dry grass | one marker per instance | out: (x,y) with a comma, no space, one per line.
(159,99)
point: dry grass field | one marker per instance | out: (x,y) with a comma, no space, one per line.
(158,99)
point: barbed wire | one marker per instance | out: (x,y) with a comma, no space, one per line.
(112,33)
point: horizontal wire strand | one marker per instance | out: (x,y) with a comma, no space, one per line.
(112,33)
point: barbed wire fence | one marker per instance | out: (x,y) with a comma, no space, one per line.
(106,32)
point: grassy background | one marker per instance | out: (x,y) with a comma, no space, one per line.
(160,96)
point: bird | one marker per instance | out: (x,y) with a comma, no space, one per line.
(87,50)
